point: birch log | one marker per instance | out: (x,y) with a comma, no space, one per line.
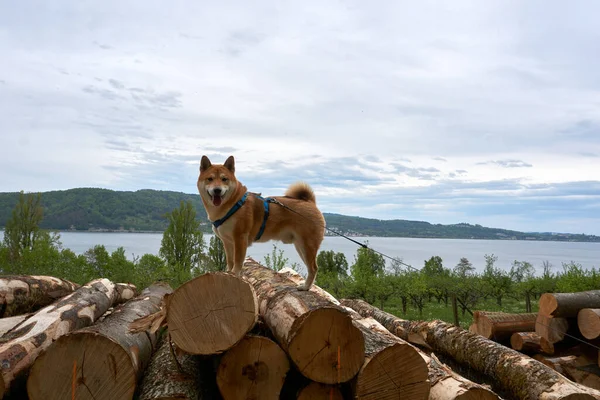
(106,360)
(27,340)
(318,336)
(517,374)
(21,294)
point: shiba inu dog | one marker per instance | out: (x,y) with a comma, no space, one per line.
(240,218)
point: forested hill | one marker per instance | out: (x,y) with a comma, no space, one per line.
(144,210)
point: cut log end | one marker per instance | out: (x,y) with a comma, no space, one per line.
(98,367)
(547,304)
(320,391)
(588,320)
(254,368)
(398,368)
(327,348)
(217,307)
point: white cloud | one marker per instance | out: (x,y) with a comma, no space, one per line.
(381,97)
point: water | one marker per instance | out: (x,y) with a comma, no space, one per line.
(411,250)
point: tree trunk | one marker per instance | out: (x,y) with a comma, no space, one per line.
(527,302)
(27,340)
(550,328)
(567,305)
(21,294)
(526,342)
(107,360)
(319,391)
(318,336)
(254,368)
(454,310)
(500,327)
(211,313)
(8,323)
(518,374)
(392,367)
(588,321)
(163,379)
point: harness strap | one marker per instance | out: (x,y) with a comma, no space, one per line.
(266,202)
(232,211)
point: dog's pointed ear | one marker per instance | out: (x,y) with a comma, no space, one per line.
(230,164)
(204,164)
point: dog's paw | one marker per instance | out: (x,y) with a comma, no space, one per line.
(302,288)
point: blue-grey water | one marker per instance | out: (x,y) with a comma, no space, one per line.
(411,250)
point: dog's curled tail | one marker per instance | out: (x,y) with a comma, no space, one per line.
(301,191)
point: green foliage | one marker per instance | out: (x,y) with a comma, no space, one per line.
(216,259)
(276,261)
(333,272)
(182,245)
(575,278)
(22,229)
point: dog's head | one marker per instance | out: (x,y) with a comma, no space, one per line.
(216,182)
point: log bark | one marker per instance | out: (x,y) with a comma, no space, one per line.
(500,327)
(318,336)
(518,374)
(106,359)
(27,340)
(21,294)
(393,368)
(579,368)
(254,368)
(8,323)
(320,391)
(178,376)
(526,342)
(217,307)
(553,329)
(588,321)
(567,305)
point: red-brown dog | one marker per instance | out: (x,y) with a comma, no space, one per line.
(240,218)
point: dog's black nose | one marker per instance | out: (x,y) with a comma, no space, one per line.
(217,191)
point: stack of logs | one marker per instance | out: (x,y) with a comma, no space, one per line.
(256,336)
(563,334)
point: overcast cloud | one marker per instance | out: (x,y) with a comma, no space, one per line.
(466,111)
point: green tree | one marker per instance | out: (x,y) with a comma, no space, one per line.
(496,281)
(276,261)
(182,244)
(23,228)
(216,259)
(333,272)
(150,268)
(364,274)
(437,278)
(522,274)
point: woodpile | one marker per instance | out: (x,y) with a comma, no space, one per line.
(256,336)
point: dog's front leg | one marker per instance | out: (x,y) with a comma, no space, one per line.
(228,245)
(239,253)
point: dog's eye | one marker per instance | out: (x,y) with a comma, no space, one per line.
(224,179)
(210,179)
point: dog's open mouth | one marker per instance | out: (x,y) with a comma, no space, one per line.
(216,199)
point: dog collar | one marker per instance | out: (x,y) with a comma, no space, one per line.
(232,211)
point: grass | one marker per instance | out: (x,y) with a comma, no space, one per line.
(434,310)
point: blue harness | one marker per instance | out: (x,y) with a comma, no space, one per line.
(239,204)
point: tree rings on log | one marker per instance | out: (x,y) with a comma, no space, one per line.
(211,313)
(255,368)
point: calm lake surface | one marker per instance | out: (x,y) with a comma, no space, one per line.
(412,251)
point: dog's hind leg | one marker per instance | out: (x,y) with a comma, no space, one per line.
(308,254)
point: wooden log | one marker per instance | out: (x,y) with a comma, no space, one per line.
(318,336)
(106,359)
(588,321)
(546,346)
(254,368)
(21,294)
(27,340)
(178,376)
(500,327)
(579,368)
(552,329)
(526,342)
(8,323)
(518,374)
(320,391)
(567,305)
(390,360)
(211,313)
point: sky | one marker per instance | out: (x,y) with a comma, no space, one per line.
(447,112)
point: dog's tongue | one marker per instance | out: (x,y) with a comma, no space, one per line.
(216,200)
